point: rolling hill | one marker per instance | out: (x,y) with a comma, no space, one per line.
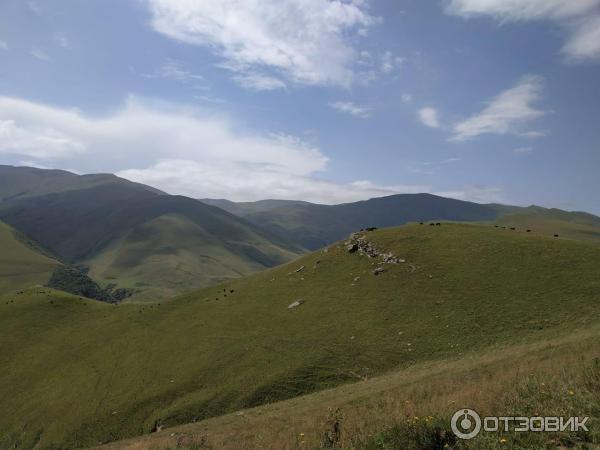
(22,263)
(135,237)
(78,372)
(313,226)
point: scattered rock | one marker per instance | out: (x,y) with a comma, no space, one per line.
(299,269)
(378,271)
(295,304)
(356,279)
(352,248)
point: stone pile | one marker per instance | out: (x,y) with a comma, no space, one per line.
(359,243)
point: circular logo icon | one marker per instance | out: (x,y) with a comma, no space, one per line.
(466,424)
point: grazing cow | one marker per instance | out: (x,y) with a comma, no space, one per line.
(512,228)
(431,224)
(420,223)
(437,224)
(529,231)
(556,235)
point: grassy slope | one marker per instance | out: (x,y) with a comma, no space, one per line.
(553,221)
(21,266)
(550,375)
(171,254)
(77,375)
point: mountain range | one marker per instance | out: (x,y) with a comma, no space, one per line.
(133,238)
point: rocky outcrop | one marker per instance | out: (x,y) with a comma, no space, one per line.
(358,243)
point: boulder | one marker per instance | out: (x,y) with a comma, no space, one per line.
(352,248)
(295,304)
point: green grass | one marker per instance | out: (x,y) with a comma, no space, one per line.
(78,373)
(172,254)
(21,264)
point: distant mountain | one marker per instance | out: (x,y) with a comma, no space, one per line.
(134,236)
(243,209)
(17,183)
(313,226)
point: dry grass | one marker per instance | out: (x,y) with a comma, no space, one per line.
(484,381)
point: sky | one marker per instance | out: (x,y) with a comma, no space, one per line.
(328,101)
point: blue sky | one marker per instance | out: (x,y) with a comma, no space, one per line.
(321,100)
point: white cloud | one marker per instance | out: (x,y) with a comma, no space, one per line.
(36,140)
(431,167)
(174,70)
(507,113)
(478,194)
(34,7)
(305,41)
(389,62)
(584,42)
(352,109)
(39,54)
(580,17)
(407,98)
(62,40)
(429,116)
(258,82)
(179,150)
(3,45)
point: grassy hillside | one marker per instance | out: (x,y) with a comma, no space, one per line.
(156,244)
(173,253)
(78,373)
(573,225)
(411,408)
(243,209)
(22,265)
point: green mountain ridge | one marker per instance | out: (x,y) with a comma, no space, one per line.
(135,237)
(313,226)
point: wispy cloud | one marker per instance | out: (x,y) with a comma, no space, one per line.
(581,19)
(259,82)
(39,54)
(306,42)
(174,70)
(429,117)
(389,62)
(431,167)
(479,194)
(510,112)
(3,45)
(34,7)
(62,40)
(406,98)
(352,109)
